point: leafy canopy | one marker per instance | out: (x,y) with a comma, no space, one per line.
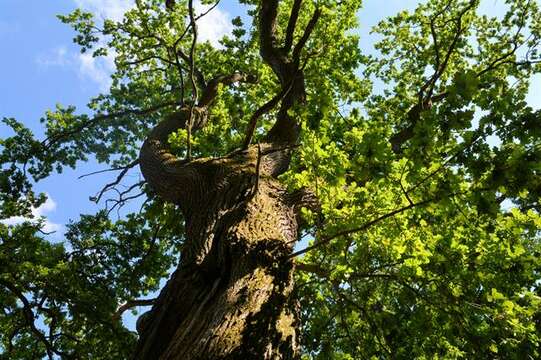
(426,159)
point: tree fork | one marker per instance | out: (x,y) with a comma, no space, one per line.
(231,296)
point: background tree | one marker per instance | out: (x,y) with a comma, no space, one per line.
(420,202)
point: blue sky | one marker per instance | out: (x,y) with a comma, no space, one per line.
(40,67)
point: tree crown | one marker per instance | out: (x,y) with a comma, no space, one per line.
(424,156)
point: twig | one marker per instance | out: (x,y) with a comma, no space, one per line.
(131,304)
(195,94)
(129,166)
(110,185)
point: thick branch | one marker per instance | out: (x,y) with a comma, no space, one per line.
(119,178)
(292,23)
(174,179)
(305,36)
(265,108)
(267,39)
(288,70)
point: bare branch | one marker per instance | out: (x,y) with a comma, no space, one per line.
(130,165)
(121,201)
(131,304)
(118,179)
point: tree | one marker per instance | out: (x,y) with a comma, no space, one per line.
(419,197)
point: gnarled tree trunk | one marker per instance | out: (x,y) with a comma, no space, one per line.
(230,297)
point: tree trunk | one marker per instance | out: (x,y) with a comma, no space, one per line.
(230,297)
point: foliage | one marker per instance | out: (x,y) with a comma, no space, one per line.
(426,159)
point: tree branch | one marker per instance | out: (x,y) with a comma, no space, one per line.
(292,23)
(195,91)
(118,179)
(131,304)
(305,36)
(129,166)
(288,70)
(52,140)
(121,200)
(265,108)
(267,39)
(29,318)
(413,116)
(365,226)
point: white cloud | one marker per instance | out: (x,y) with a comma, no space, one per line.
(55,57)
(47,207)
(98,70)
(214,25)
(106,9)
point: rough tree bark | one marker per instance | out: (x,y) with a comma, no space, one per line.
(231,296)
